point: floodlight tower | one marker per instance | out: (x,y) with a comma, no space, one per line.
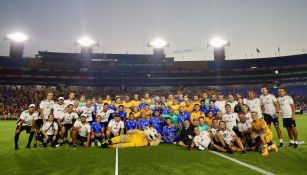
(158,45)
(218,45)
(86,44)
(17,40)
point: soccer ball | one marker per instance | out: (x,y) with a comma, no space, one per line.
(151,133)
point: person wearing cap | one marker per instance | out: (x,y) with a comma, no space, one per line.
(81,132)
(65,122)
(58,108)
(115,127)
(26,122)
(50,131)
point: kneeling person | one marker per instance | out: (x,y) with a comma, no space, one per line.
(49,131)
(81,132)
(97,131)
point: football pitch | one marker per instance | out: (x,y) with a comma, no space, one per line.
(163,159)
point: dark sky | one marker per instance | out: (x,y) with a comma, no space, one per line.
(123,26)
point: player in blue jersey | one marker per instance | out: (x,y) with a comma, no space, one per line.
(212,108)
(121,112)
(169,132)
(131,123)
(143,122)
(156,121)
(182,116)
(164,109)
(97,134)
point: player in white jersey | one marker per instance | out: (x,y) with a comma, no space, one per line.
(246,112)
(254,103)
(115,127)
(70,100)
(271,110)
(81,132)
(26,122)
(287,111)
(87,110)
(46,106)
(203,141)
(220,103)
(233,142)
(230,118)
(65,122)
(58,108)
(105,114)
(245,126)
(231,101)
(50,131)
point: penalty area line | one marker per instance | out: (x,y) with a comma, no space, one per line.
(259,170)
(116,161)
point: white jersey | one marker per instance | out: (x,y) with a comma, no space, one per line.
(47,106)
(116,126)
(99,108)
(214,130)
(285,103)
(255,105)
(58,110)
(268,104)
(232,105)
(105,115)
(67,118)
(88,111)
(85,128)
(202,141)
(50,128)
(248,116)
(221,105)
(230,120)
(69,102)
(227,135)
(27,118)
(243,127)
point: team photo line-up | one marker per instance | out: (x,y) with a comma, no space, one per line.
(206,122)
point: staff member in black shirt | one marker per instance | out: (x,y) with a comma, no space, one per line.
(186,135)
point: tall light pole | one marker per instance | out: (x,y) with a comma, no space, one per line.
(218,45)
(158,46)
(86,44)
(17,45)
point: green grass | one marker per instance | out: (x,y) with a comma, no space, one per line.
(164,159)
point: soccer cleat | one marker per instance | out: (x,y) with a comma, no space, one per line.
(274,147)
(291,144)
(99,144)
(265,152)
(295,145)
(93,144)
(74,147)
(281,145)
(16,147)
(229,151)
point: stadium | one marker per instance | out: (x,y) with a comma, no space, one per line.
(92,112)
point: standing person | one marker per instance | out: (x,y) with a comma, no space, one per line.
(26,122)
(46,107)
(70,100)
(195,115)
(87,110)
(220,103)
(81,132)
(232,102)
(254,103)
(105,115)
(230,118)
(50,131)
(271,110)
(156,121)
(287,111)
(58,108)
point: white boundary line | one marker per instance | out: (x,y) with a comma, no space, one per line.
(262,171)
(116,161)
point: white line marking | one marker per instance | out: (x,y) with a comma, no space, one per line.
(262,171)
(116,162)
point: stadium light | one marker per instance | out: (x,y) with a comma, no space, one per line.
(86,42)
(158,43)
(218,42)
(276,72)
(17,37)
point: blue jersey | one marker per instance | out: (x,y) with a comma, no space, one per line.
(213,109)
(182,117)
(142,105)
(169,131)
(203,109)
(164,111)
(143,123)
(131,124)
(156,123)
(122,114)
(112,107)
(96,127)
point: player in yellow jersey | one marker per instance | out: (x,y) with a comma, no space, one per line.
(195,115)
(262,134)
(135,101)
(175,106)
(107,100)
(135,138)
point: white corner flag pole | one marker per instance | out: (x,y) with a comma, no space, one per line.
(116,162)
